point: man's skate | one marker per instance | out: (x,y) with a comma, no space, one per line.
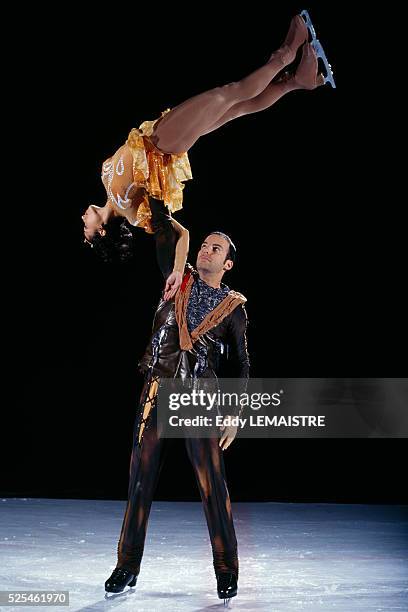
(119,580)
(227,586)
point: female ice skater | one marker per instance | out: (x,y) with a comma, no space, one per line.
(154,162)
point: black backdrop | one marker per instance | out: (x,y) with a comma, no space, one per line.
(304,189)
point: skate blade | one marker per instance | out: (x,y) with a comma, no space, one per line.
(306,18)
(329,78)
(110,595)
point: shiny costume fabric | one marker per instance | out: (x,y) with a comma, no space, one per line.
(203,299)
(146,462)
(149,450)
(138,170)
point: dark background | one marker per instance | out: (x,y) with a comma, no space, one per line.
(306,190)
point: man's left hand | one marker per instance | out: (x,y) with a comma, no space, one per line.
(228,434)
(172,284)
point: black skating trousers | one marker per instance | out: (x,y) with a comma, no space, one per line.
(147,458)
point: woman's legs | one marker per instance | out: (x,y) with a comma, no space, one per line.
(179,129)
(306,77)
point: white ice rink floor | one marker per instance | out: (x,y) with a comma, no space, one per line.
(292,556)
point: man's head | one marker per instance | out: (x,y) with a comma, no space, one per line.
(216,255)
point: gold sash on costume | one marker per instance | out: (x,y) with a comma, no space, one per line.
(212,319)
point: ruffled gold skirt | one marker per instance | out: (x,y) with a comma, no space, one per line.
(161,174)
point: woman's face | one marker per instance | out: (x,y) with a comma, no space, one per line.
(92,222)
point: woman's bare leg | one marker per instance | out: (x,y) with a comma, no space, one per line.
(183,125)
(306,77)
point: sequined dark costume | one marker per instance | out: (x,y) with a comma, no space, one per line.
(164,357)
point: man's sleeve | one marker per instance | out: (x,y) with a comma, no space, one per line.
(239,349)
(165,236)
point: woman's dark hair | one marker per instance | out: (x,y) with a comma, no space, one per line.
(117,244)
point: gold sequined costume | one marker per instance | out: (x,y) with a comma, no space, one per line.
(138,169)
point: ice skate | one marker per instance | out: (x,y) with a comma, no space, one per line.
(317,46)
(295,37)
(227,586)
(306,17)
(328,78)
(306,75)
(119,580)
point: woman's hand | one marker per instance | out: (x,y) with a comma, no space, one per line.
(172,284)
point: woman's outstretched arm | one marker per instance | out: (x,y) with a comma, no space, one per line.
(172,243)
(182,246)
(173,282)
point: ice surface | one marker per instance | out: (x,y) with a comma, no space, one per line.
(292,556)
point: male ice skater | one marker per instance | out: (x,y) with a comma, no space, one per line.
(198,331)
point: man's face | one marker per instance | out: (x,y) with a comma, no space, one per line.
(212,254)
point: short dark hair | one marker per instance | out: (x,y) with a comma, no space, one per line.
(232,251)
(118,243)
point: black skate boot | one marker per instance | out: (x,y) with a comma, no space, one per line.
(120,579)
(227,586)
